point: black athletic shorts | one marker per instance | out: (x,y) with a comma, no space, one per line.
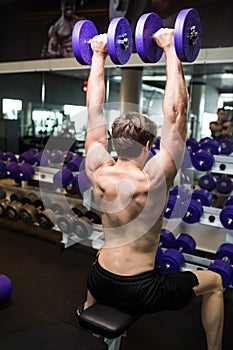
(147,292)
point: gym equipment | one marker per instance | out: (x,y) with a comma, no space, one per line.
(210,145)
(75,163)
(67,222)
(47,218)
(181,191)
(9,157)
(202,160)
(83,225)
(167,239)
(11,170)
(41,158)
(226,215)
(62,178)
(226,146)
(187,36)
(68,156)
(119,40)
(222,263)
(25,172)
(229,201)
(194,211)
(172,208)
(31,205)
(192,144)
(108,322)
(172,259)
(17,196)
(80,183)
(224,185)
(207,182)
(3,204)
(5,288)
(202,196)
(56,156)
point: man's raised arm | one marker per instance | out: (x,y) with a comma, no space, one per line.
(96,135)
(175,109)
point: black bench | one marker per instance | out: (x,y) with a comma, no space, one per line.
(108,322)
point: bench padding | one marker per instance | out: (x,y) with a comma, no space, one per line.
(107,320)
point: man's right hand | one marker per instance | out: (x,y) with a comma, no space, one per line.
(99,44)
(164,38)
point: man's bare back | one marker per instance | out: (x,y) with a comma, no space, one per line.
(121,191)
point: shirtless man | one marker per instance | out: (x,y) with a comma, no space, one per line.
(60,33)
(132,193)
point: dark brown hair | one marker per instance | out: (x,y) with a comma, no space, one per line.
(130,134)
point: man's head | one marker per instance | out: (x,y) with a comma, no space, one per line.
(221,114)
(132,132)
(68,7)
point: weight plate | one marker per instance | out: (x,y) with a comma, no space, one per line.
(25,172)
(210,145)
(225,251)
(192,144)
(62,178)
(207,182)
(171,261)
(120,40)
(193,213)
(229,201)
(202,160)
(226,146)
(167,239)
(224,269)
(82,33)
(147,25)
(203,196)
(224,185)
(226,217)
(186,242)
(188,35)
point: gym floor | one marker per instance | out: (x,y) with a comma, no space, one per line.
(48,285)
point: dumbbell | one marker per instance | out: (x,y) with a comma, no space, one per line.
(5,288)
(177,195)
(224,185)
(222,263)
(20,206)
(83,226)
(192,145)
(226,146)
(9,157)
(172,260)
(187,36)
(56,156)
(80,182)
(75,163)
(62,178)
(2,193)
(12,209)
(207,182)
(202,160)
(41,158)
(67,222)
(193,211)
(166,240)
(202,196)
(47,218)
(226,214)
(210,145)
(119,40)
(32,204)
(68,156)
